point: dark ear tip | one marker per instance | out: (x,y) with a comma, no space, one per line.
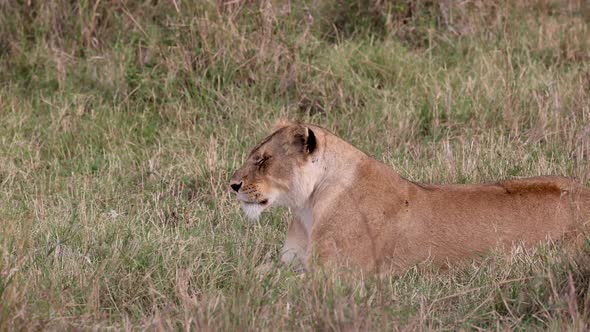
(311,141)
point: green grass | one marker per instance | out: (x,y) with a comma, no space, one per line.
(121,124)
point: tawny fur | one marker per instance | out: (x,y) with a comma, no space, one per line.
(351,209)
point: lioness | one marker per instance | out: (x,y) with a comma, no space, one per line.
(351,209)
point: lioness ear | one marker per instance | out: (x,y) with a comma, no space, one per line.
(304,140)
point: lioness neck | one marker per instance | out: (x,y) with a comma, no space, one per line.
(331,171)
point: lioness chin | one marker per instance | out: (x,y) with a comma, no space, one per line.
(351,209)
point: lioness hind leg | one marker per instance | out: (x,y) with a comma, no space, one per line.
(295,248)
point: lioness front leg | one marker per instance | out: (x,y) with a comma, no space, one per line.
(295,248)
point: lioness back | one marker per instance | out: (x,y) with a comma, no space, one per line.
(460,221)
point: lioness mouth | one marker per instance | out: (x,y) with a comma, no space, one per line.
(262,202)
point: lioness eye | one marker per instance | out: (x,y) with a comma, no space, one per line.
(262,160)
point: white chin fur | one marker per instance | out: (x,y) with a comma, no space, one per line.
(253,211)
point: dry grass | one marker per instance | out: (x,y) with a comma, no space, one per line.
(122,122)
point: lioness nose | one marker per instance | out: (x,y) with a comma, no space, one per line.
(236,186)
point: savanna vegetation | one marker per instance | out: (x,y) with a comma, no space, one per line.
(121,123)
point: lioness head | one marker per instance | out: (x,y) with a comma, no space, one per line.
(273,173)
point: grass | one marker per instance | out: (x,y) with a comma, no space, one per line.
(122,122)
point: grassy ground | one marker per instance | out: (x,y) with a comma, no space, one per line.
(122,121)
